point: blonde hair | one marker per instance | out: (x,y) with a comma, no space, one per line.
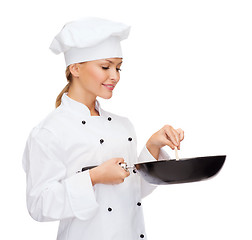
(66,88)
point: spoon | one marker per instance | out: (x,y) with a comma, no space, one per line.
(176,154)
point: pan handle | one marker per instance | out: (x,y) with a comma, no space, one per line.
(126,167)
(87,168)
(123,165)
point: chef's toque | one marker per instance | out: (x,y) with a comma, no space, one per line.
(90,39)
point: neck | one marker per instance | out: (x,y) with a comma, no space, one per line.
(78,95)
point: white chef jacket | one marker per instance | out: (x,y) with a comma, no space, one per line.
(67,140)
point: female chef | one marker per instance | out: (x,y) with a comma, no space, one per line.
(103,203)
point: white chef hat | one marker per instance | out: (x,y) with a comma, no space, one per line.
(90,39)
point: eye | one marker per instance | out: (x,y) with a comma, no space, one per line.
(105,68)
(118,69)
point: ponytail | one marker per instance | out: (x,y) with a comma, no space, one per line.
(66,88)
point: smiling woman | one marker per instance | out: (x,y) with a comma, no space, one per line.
(104,202)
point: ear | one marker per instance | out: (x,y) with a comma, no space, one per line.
(75,69)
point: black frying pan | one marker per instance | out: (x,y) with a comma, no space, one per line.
(183,171)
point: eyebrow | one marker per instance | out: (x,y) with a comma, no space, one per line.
(112,61)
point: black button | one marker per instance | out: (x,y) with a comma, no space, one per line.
(101,141)
(139,204)
(83,122)
(109,209)
(130,139)
(141,236)
(109,118)
(134,171)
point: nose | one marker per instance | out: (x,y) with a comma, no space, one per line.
(115,76)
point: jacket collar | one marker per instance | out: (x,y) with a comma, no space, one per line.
(79,107)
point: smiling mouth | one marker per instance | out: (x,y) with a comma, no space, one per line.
(109,86)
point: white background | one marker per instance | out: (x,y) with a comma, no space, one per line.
(186,63)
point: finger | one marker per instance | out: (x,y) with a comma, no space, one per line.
(124,174)
(177,136)
(119,160)
(169,143)
(170,132)
(170,135)
(127,173)
(181,134)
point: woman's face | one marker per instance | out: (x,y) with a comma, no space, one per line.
(99,77)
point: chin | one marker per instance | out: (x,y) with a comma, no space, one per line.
(106,96)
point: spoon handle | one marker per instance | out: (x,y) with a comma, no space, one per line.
(176,154)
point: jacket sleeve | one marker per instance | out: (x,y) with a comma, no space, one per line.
(145,156)
(50,194)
